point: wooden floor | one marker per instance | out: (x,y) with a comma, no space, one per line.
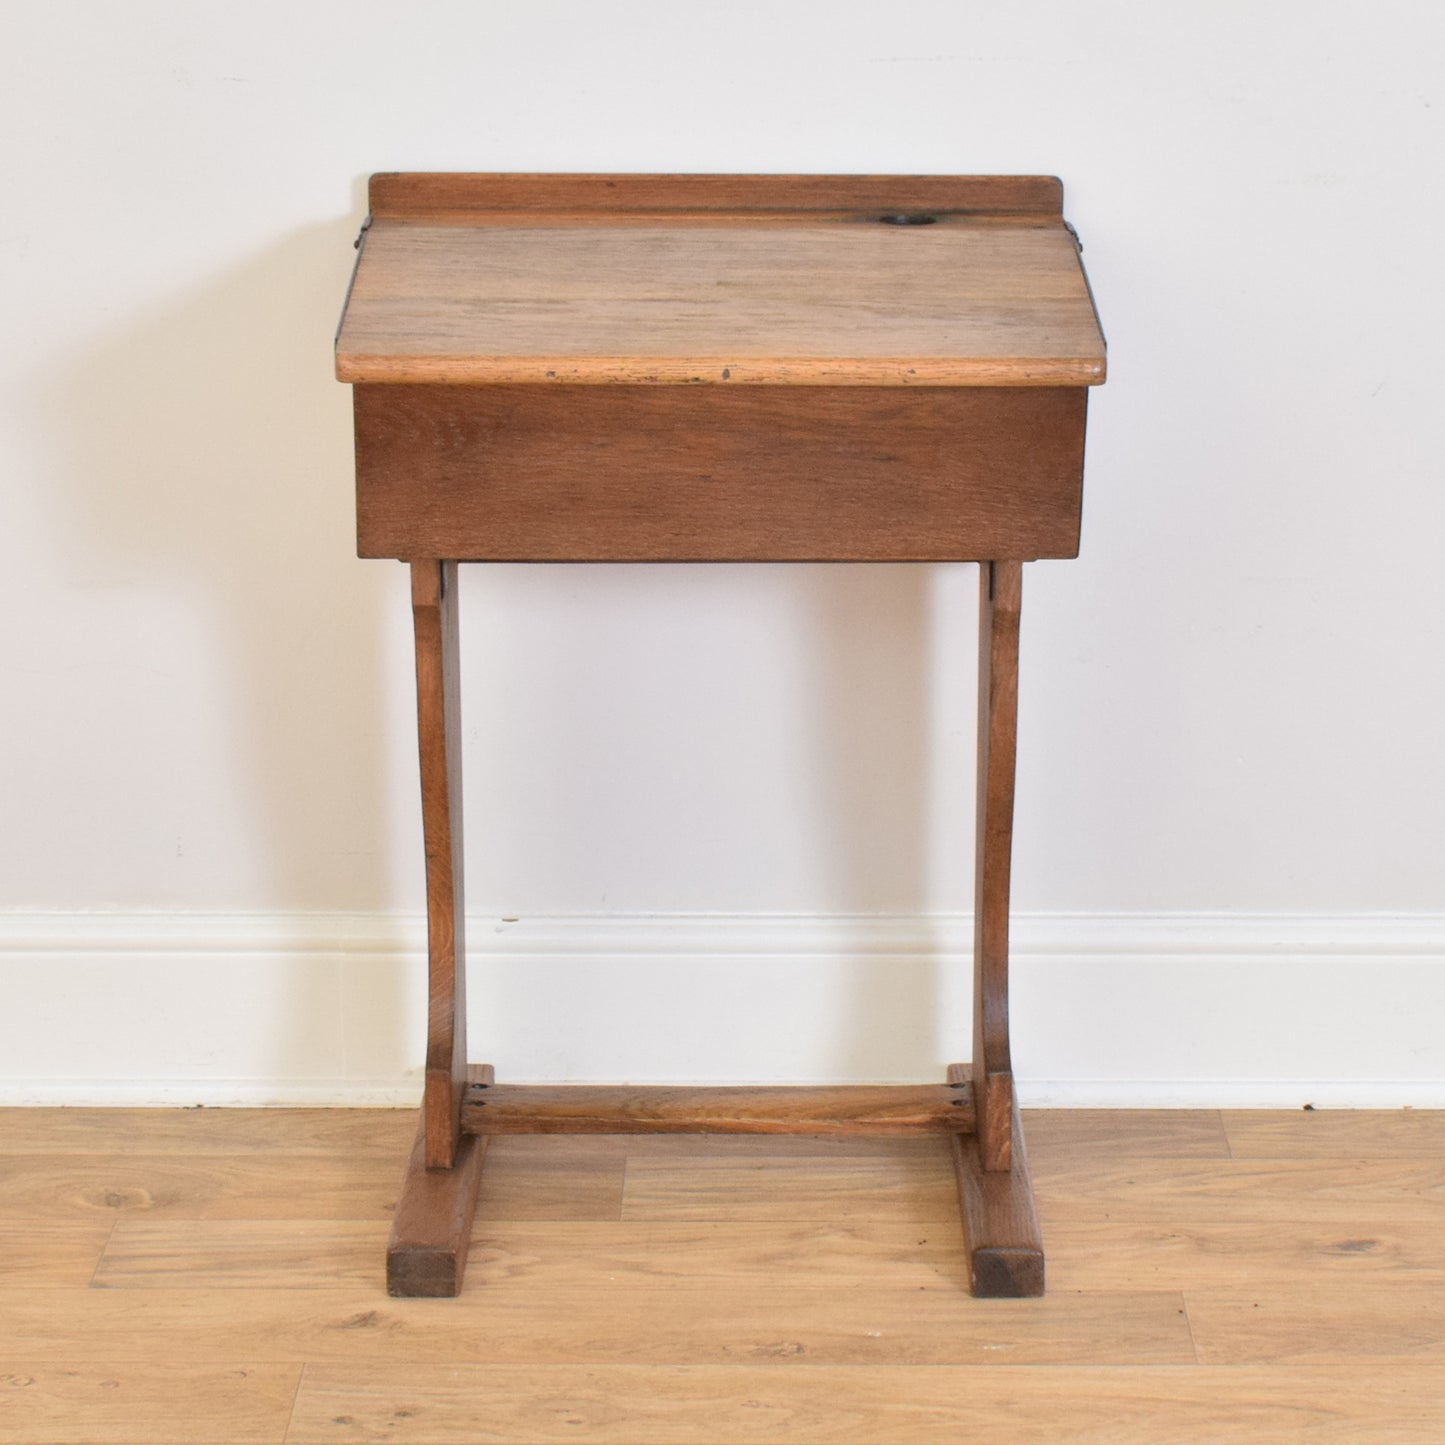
(216,1276)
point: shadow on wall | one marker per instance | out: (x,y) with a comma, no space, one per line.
(202,458)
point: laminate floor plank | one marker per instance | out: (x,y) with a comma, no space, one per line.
(229,1254)
(680,1253)
(207,1186)
(902,1187)
(1212,1278)
(805,1404)
(341,1132)
(144,1403)
(517,1324)
(1239,1254)
(144,1253)
(525,1184)
(1083,1184)
(1356,1195)
(40,1254)
(1150,1133)
(560,1182)
(1326,1322)
(1335,1133)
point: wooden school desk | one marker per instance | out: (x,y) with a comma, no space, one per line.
(631,368)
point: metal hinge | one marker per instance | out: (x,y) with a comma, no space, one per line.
(1078,244)
(361,234)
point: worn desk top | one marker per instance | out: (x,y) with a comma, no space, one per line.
(682,280)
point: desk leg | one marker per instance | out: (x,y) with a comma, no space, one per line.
(1005,1250)
(439,729)
(428,1248)
(998,697)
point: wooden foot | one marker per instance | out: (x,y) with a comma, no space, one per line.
(427,1253)
(1000,1224)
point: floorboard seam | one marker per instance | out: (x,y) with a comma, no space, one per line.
(1189,1322)
(295,1396)
(100,1258)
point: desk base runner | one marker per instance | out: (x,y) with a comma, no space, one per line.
(612,1109)
(428,1249)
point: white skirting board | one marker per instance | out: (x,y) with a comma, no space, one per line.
(1118,1010)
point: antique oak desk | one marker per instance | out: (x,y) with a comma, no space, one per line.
(559,368)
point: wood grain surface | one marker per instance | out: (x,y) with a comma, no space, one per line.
(438,705)
(645,1289)
(1000,1219)
(431,1231)
(648,283)
(712,1322)
(1000,602)
(418,194)
(1335,1134)
(40,1254)
(552,474)
(901,1188)
(762,1404)
(143,1401)
(603,1109)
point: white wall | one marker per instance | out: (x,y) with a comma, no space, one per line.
(1231,786)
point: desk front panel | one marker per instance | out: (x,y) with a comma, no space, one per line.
(559,473)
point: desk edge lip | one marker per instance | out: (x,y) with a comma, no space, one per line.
(373,369)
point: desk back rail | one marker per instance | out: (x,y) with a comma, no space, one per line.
(416,194)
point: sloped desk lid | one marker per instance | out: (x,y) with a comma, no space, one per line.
(777,280)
